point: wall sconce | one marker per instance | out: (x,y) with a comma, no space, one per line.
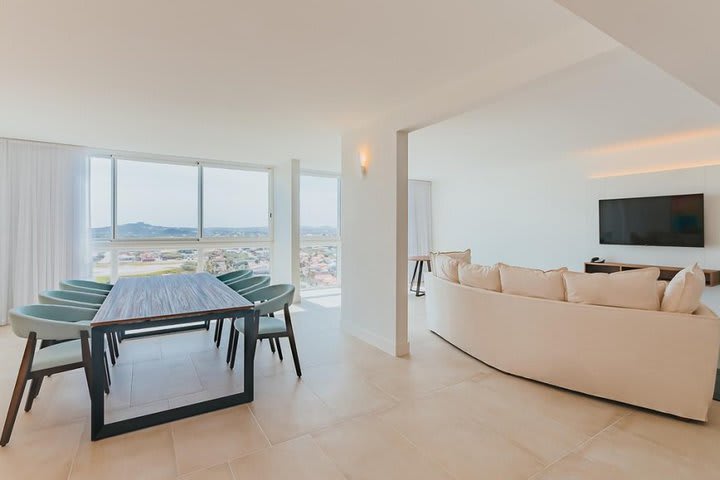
(363,162)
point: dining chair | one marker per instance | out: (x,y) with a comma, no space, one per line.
(74,298)
(267,301)
(63,332)
(234,275)
(86,286)
(242,287)
(71,298)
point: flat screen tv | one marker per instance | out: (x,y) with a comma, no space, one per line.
(669,221)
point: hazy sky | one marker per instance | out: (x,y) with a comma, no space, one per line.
(166,195)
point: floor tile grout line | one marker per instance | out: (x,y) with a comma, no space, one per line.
(580,446)
(422,451)
(77,451)
(257,422)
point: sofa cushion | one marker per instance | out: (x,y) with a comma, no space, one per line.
(444,268)
(463,257)
(684,291)
(531,282)
(480,276)
(628,289)
(661,286)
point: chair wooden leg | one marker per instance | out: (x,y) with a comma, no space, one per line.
(272,345)
(35,384)
(277,346)
(115,344)
(231,336)
(234,349)
(107,374)
(291,339)
(110,347)
(217,324)
(221,324)
(23,373)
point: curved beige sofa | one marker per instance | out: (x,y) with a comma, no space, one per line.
(657,360)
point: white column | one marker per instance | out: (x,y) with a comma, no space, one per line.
(295,227)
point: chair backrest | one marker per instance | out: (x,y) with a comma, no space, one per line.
(234,276)
(250,283)
(72,298)
(50,322)
(90,284)
(85,286)
(264,282)
(272,298)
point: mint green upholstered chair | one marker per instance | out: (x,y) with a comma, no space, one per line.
(75,298)
(269,300)
(63,332)
(242,287)
(86,286)
(72,298)
(230,277)
(249,284)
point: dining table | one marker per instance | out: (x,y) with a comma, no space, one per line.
(162,301)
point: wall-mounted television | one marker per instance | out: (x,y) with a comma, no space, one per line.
(668,221)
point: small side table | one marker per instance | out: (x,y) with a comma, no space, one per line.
(419,261)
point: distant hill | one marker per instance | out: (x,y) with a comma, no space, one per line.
(145,230)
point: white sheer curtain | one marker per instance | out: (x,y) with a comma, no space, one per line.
(43,219)
(419,217)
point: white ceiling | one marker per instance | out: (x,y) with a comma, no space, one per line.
(679,36)
(615,112)
(253,81)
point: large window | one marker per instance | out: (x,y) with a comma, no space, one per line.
(156,200)
(101,198)
(152,217)
(236,203)
(319,230)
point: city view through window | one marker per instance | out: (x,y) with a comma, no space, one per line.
(319,231)
(235,205)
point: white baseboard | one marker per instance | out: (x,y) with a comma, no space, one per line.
(384,344)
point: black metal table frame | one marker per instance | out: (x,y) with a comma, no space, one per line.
(130,333)
(99,429)
(417,291)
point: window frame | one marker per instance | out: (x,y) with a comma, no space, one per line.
(113,245)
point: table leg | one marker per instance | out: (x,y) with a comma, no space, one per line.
(252,322)
(97,395)
(413,277)
(418,293)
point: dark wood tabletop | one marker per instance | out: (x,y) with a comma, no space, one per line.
(139,299)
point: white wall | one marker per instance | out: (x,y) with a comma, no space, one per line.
(374,207)
(518,181)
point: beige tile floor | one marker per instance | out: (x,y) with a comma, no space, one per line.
(357,413)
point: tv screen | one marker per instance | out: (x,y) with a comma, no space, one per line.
(670,221)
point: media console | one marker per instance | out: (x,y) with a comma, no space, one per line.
(712,277)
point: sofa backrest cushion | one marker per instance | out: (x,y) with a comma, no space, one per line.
(530,282)
(462,256)
(628,289)
(480,276)
(684,291)
(661,286)
(445,264)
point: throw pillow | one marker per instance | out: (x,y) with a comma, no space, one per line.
(480,276)
(531,282)
(629,289)
(684,291)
